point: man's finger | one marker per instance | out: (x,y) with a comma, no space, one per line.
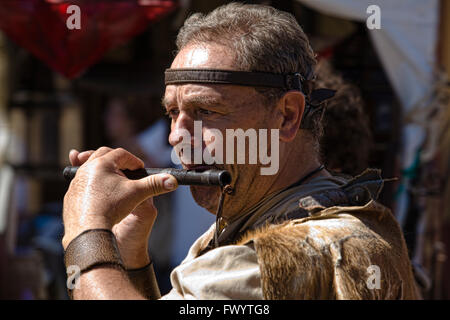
(78,158)
(154,185)
(99,153)
(124,159)
(144,209)
(84,156)
(145,206)
(73,157)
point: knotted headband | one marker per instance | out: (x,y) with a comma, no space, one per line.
(289,81)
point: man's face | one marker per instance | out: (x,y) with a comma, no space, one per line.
(217,107)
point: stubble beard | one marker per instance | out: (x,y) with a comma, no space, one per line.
(206,197)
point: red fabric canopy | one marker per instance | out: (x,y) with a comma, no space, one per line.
(40,27)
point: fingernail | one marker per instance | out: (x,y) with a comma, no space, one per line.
(170,183)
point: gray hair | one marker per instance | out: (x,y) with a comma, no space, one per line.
(262,38)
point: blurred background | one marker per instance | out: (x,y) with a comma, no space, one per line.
(64,89)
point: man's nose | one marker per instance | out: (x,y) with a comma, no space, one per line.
(182,129)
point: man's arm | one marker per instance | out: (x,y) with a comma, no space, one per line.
(106,283)
(144,281)
(100,197)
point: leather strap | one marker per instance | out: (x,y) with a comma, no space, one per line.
(93,248)
(291,81)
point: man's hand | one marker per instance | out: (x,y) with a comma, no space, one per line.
(100,196)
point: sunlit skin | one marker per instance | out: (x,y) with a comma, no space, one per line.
(231,107)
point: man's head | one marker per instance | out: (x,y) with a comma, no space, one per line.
(244,38)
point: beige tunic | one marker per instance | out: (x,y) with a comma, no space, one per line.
(337,252)
(228,272)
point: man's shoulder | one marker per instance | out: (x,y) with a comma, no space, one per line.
(329,224)
(335,246)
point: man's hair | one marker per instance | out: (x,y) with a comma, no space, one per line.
(262,38)
(347,139)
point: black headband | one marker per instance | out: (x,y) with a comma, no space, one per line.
(244,78)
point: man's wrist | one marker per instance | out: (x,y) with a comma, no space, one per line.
(135,259)
(93,248)
(105,283)
(72,231)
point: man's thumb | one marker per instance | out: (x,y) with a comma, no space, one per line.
(157,184)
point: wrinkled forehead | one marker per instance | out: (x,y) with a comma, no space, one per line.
(214,94)
(176,93)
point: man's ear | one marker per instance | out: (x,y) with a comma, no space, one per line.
(291,107)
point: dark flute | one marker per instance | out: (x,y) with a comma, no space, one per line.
(184,177)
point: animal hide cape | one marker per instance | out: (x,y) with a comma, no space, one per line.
(326,239)
(331,254)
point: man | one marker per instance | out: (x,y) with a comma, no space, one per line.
(297,234)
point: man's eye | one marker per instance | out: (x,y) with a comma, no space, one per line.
(172,113)
(206,112)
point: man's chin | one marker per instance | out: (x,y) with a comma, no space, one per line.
(206,197)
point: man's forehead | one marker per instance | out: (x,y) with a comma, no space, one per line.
(194,57)
(208,56)
(203,56)
(176,94)
(200,65)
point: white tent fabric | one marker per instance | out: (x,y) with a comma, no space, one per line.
(406,45)
(406,42)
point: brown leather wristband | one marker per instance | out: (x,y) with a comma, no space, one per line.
(92,248)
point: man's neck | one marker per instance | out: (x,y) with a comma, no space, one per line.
(289,174)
